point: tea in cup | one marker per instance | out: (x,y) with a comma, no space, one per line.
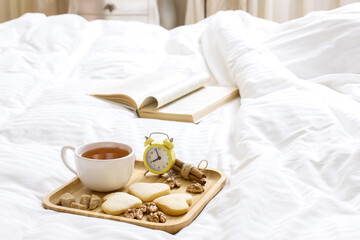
(102,166)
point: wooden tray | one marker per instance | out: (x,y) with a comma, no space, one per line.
(215,180)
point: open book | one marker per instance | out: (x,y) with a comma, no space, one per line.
(168,95)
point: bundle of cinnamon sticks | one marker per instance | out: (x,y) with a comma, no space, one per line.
(194,174)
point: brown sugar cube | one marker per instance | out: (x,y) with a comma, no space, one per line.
(85,200)
(78,206)
(67,199)
(94,202)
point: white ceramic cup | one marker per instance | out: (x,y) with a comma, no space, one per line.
(102,175)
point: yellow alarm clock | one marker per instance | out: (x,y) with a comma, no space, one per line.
(159,157)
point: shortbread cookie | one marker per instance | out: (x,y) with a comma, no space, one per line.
(149,191)
(117,203)
(174,204)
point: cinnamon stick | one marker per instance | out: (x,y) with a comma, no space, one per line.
(191,176)
(196,172)
(201,181)
(176,168)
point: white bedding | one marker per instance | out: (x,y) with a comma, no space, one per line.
(290,147)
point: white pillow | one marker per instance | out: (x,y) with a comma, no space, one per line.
(324,42)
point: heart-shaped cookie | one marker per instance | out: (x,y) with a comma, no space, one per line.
(149,191)
(118,202)
(174,204)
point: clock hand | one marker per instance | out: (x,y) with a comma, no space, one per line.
(157,152)
(158,158)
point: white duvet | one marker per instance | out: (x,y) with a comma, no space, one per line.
(290,147)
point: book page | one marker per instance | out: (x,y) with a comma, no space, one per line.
(152,88)
(165,95)
(197,104)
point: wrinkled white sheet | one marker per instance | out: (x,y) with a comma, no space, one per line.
(290,148)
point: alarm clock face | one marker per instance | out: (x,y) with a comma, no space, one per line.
(157,158)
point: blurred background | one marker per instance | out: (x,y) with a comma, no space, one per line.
(168,13)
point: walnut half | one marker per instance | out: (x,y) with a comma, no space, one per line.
(195,188)
(150,207)
(134,213)
(156,217)
(173,183)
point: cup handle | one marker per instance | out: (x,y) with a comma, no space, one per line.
(64,159)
